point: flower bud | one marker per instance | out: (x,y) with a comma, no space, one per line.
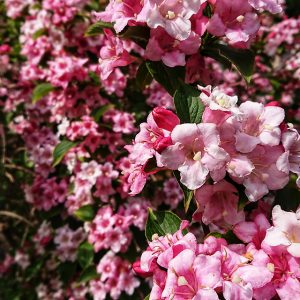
(4,49)
(136,266)
(165,119)
(162,143)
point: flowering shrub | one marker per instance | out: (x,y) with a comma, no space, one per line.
(149,149)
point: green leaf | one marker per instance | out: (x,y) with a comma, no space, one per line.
(61,150)
(97,28)
(188,105)
(188,194)
(241,59)
(139,34)
(143,76)
(85,213)
(85,254)
(41,91)
(38,33)
(229,236)
(88,274)
(101,111)
(147,297)
(94,77)
(161,223)
(169,78)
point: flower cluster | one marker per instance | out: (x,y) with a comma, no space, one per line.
(177,28)
(266,266)
(249,143)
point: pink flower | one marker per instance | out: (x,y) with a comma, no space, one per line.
(164,248)
(258,171)
(258,125)
(218,204)
(174,16)
(285,231)
(290,160)
(156,132)
(162,46)
(193,277)
(235,20)
(254,232)
(217,100)
(113,54)
(240,277)
(195,152)
(272,6)
(120,13)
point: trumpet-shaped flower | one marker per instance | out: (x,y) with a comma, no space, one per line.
(285,231)
(172,15)
(195,152)
(258,125)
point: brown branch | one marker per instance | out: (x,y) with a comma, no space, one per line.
(11,214)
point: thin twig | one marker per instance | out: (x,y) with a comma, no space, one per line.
(12,166)
(14,215)
(3,145)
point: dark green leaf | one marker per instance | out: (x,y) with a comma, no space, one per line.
(188,194)
(97,28)
(101,111)
(161,223)
(139,34)
(66,271)
(241,59)
(289,197)
(151,166)
(143,76)
(85,213)
(61,150)
(169,78)
(188,105)
(88,274)
(85,254)
(41,91)
(229,236)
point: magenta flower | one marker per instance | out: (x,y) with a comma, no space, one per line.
(235,20)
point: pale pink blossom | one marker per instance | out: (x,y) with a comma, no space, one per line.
(290,160)
(273,6)
(285,231)
(173,16)
(218,204)
(258,125)
(195,152)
